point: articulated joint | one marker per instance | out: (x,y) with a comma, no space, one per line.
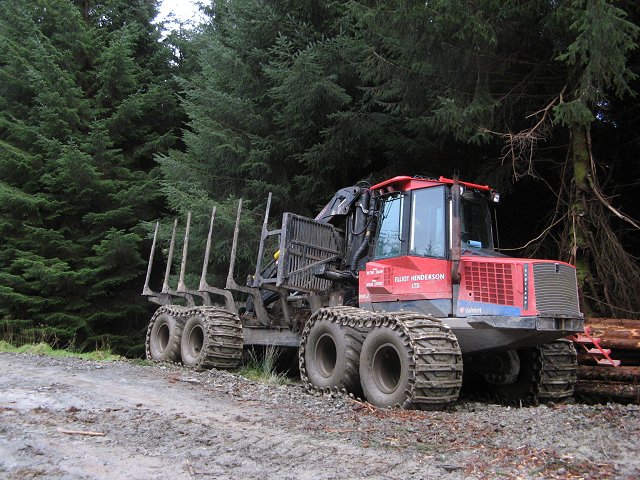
(328,273)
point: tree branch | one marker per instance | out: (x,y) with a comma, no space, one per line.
(521,146)
(591,178)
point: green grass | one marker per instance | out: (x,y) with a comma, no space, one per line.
(45,349)
(262,367)
(142,362)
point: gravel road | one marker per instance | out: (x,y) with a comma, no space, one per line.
(165,422)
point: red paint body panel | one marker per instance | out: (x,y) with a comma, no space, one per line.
(495,281)
(405,278)
(488,285)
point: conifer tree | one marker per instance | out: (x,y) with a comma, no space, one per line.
(518,76)
(270,87)
(87,99)
(301,98)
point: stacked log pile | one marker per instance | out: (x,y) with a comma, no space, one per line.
(606,383)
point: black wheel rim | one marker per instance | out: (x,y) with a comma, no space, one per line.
(195,341)
(326,355)
(386,368)
(162,337)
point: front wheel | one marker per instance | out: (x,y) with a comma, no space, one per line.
(536,374)
(411,361)
(330,356)
(559,371)
(386,365)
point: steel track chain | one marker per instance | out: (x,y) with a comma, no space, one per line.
(436,360)
(559,371)
(552,378)
(224,340)
(223,343)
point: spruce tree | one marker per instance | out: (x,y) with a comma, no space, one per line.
(500,80)
(301,98)
(87,99)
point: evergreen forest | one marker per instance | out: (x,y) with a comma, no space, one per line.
(111,121)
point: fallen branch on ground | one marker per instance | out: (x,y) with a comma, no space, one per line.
(367,405)
(82,432)
(348,430)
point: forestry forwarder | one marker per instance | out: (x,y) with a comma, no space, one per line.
(386,293)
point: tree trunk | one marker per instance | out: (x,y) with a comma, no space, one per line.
(579,213)
(608,276)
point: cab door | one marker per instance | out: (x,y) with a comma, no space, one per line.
(410,261)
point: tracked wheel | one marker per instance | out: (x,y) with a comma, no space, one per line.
(485,378)
(411,361)
(408,360)
(387,368)
(212,338)
(164,335)
(330,356)
(542,374)
(559,371)
(193,340)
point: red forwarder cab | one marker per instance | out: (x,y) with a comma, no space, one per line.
(490,301)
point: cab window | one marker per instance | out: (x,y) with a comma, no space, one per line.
(475,221)
(428,226)
(389,235)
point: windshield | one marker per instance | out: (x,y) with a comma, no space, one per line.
(475,221)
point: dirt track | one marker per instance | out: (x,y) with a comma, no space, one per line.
(165,422)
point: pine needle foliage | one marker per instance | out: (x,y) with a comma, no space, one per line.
(86,99)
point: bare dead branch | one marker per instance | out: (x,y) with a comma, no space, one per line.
(539,237)
(520,147)
(82,432)
(593,183)
(366,405)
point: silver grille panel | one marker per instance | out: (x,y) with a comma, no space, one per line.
(556,289)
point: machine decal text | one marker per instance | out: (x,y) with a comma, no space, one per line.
(418,278)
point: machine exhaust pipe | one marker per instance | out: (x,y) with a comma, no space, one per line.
(456,248)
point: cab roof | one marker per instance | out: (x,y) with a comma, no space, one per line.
(404,183)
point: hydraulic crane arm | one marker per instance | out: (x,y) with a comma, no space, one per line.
(340,204)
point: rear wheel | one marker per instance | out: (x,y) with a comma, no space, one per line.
(331,355)
(163,336)
(193,341)
(212,338)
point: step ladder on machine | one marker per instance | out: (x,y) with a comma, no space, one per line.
(591,345)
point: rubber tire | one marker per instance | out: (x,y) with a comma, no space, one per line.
(331,356)
(559,371)
(524,390)
(193,340)
(385,368)
(164,339)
